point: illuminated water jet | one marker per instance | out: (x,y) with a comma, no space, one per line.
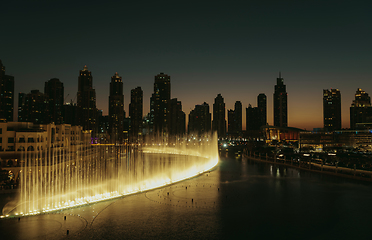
(65,178)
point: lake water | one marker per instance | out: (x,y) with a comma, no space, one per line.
(238,199)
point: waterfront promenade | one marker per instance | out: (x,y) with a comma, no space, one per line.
(311,164)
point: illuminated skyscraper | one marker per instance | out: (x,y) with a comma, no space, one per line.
(55,91)
(219,119)
(33,107)
(6,95)
(136,113)
(361,109)
(116,109)
(159,104)
(280,103)
(331,109)
(86,101)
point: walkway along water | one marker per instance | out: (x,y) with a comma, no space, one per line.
(311,165)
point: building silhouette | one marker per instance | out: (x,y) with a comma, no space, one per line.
(70,114)
(177,118)
(159,104)
(219,119)
(6,95)
(280,103)
(136,114)
(262,108)
(116,109)
(234,118)
(33,107)
(256,117)
(252,118)
(361,109)
(199,120)
(86,101)
(54,90)
(331,110)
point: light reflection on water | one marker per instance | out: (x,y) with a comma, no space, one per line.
(239,199)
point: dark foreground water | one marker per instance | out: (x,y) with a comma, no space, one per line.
(239,199)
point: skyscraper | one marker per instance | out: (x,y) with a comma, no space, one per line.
(55,91)
(136,113)
(219,119)
(6,96)
(199,120)
(331,109)
(262,108)
(159,103)
(86,101)
(257,116)
(33,107)
(234,118)
(361,109)
(116,109)
(177,118)
(280,103)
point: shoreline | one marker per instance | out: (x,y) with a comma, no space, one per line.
(318,168)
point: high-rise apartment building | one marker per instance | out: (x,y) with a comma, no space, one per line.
(280,103)
(86,101)
(159,104)
(234,118)
(6,95)
(55,92)
(361,109)
(136,114)
(331,109)
(177,118)
(33,107)
(116,109)
(219,119)
(199,120)
(257,116)
(252,118)
(262,108)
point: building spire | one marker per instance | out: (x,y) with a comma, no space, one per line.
(85,68)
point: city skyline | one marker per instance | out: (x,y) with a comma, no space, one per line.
(235,49)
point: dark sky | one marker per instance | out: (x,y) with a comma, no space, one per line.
(235,48)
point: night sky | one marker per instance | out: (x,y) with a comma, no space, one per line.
(235,48)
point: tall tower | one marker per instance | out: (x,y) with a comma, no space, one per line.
(262,109)
(55,91)
(159,106)
(331,109)
(136,113)
(177,118)
(361,109)
(234,119)
(86,101)
(200,120)
(280,103)
(6,96)
(116,109)
(219,119)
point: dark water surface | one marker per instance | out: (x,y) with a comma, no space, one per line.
(239,199)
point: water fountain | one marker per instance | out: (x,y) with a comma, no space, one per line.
(77,175)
